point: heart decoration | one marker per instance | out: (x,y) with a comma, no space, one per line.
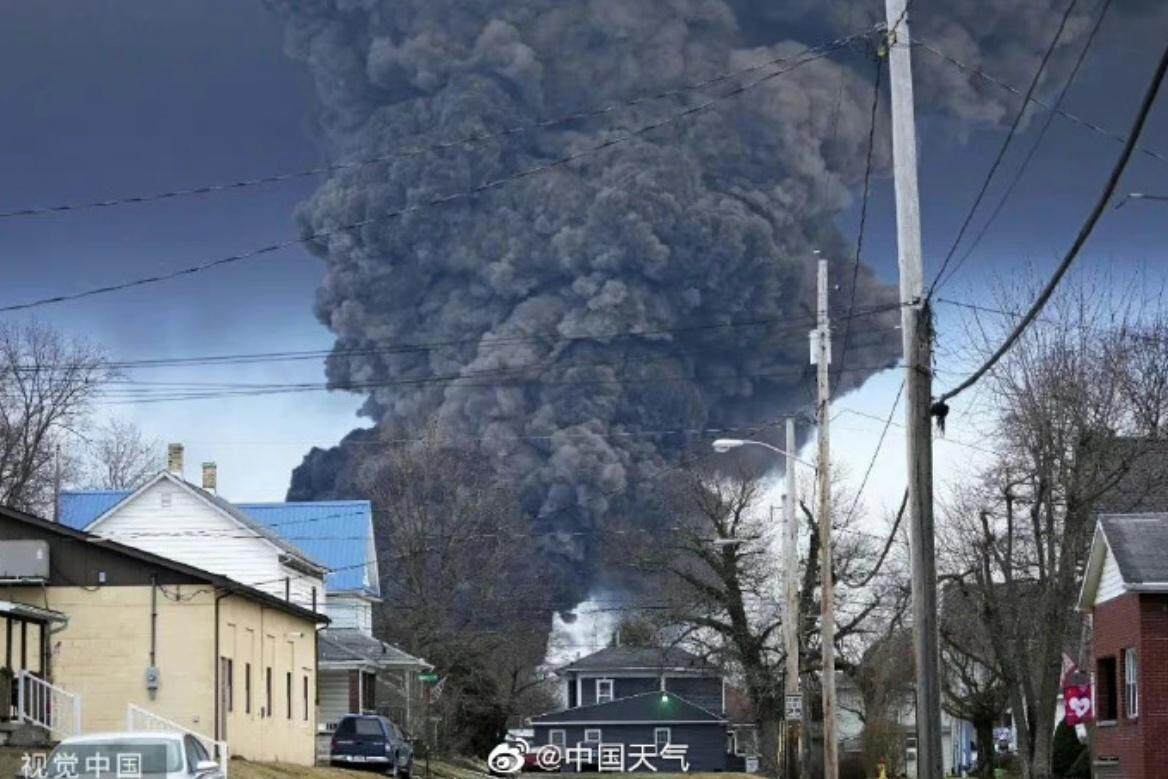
(1077,704)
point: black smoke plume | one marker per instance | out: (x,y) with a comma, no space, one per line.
(583,326)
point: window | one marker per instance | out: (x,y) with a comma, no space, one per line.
(558,738)
(288,588)
(306,697)
(247,687)
(1131,682)
(229,683)
(165,499)
(661,737)
(314,599)
(1106,694)
(268,691)
(288,692)
(592,735)
(603,690)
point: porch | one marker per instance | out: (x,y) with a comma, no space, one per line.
(27,695)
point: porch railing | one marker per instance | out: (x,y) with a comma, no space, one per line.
(138,718)
(51,707)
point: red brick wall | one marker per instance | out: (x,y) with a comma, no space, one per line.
(1140,744)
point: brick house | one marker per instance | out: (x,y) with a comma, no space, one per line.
(1125,590)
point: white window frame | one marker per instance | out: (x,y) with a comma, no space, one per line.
(611,691)
(1131,683)
(589,737)
(563,738)
(657,737)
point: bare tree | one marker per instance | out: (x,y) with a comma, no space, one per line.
(1075,406)
(119,457)
(720,575)
(47,384)
(972,685)
(459,585)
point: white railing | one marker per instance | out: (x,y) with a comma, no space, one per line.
(138,718)
(51,707)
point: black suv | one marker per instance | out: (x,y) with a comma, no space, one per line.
(368,741)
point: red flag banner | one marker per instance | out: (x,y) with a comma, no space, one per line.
(1077,704)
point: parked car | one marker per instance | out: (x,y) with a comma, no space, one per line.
(172,755)
(369,741)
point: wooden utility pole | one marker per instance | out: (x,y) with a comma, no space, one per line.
(916,330)
(791,748)
(822,352)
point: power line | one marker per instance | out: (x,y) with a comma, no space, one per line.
(467,140)
(974,71)
(134,388)
(517,382)
(1084,232)
(875,453)
(985,185)
(1030,154)
(863,212)
(552,338)
(807,56)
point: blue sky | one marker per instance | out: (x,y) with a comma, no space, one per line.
(108,99)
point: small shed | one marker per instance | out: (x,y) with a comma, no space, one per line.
(652,731)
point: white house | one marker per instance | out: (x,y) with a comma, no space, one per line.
(173,518)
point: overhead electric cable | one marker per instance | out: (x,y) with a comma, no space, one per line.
(1050,115)
(989,177)
(467,140)
(864,197)
(970,69)
(1084,232)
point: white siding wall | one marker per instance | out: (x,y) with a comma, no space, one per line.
(192,531)
(347,611)
(334,697)
(1110,580)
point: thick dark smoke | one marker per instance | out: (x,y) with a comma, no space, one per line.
(688,234)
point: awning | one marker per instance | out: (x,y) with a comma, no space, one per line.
(30,613)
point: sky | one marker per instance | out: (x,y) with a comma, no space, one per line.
(109,99)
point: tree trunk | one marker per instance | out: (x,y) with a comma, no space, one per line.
(985,748)
(768,743)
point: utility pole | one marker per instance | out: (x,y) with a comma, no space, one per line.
(916,331)
(822,353)
(791,615)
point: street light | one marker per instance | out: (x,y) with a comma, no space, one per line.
(723,445)
(792,688)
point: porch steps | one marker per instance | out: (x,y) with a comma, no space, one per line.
(24,734)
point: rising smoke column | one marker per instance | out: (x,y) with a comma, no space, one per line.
(707,222)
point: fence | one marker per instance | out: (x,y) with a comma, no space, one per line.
(51,707)
(138,718)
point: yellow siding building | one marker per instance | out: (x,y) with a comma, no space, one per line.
(226,661)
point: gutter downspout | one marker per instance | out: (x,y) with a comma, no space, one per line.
(215,664)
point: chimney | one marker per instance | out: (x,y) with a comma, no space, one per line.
(210,474)
(174,459)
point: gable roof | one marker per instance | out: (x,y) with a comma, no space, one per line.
(1139,545)
(326,530)
(141,555)
(322,530)
(224,506)
(621,658)
(350,645)
(655,707)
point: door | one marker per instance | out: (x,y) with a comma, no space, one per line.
(226,696)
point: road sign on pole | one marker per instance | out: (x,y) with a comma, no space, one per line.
(793,707)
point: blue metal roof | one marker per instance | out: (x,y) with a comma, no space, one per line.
(78,509)
(325,531)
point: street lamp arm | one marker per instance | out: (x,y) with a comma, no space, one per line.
(726,444)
